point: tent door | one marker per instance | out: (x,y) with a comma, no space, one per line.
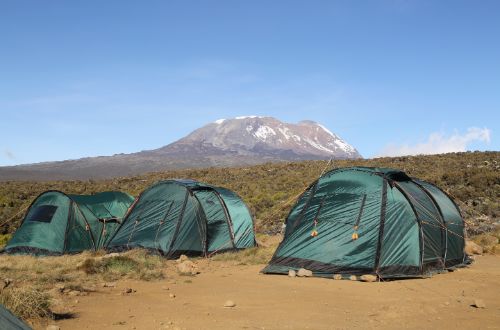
(218,228)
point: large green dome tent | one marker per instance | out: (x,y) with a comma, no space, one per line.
(377,221)
(57,223)
(175,217)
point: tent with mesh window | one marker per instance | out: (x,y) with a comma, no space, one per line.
(57,223)
(175,217)
(376,221)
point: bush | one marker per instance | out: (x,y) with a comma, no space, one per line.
(135,264)
(270,189)
(4,239)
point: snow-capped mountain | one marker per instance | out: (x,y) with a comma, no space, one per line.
(226,142)
(253,135)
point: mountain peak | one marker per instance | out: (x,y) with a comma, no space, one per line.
(244,140)
(258,135)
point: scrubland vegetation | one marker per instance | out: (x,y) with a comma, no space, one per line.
(472,178)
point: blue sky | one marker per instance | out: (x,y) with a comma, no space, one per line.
(88,78)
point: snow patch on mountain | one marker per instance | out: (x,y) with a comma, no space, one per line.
(247,117)
(219,121)
(263,132)
(344,146)
(326,130)
(318,146)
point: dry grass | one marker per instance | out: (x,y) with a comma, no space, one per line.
(45,272)
(26,302)
(253,256)
(34,279)
(489,242)
(136,264)
(4,239)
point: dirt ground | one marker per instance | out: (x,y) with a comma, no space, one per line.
(280,302)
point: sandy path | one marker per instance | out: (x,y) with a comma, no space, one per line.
(280,302)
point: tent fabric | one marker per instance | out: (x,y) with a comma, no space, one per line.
(175,217)
(9,321)
(57,223)
(363,220)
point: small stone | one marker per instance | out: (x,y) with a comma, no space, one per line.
(292,273)
(472,248)
(171,295)
(337,277)
(53,327)
(304,273)
(229,304)
(166,288)
(182,258)
(353,278)
(479,303)
(187,267)
(128,290)
(120,323)
(369,278)
(91,288)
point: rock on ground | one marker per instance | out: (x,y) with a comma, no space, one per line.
(472,248)
(182,258)
(337,277)
(353,278)
(187,267)
(129,290)
(109,285)
(292,273)
(53,327)
(479,303)
(229,304)
(368,278)
(304,273)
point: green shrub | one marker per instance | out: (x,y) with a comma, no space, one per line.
(4,239)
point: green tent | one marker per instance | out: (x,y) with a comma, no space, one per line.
(57,223)
(176,217)
(9,321)
(377,221)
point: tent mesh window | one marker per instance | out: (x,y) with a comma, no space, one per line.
(42,213)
